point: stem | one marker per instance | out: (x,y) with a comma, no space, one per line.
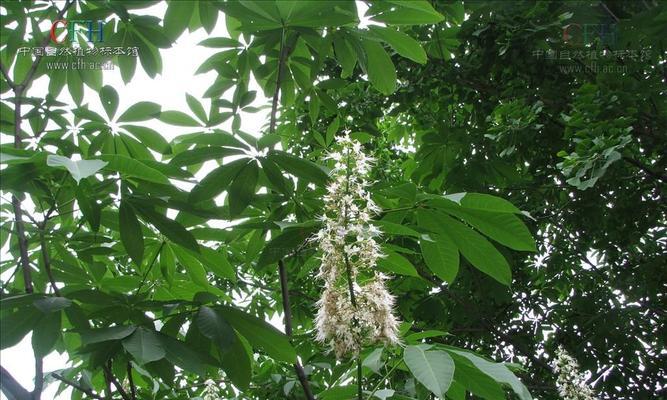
(360,391)
(47,263)
(76,386)
(150,267)
(375,389)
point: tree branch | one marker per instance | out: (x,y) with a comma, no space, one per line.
(300,373)
(47,263)
(11,388)
(76,386)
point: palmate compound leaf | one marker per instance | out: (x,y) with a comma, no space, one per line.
(432,368)
(79,169)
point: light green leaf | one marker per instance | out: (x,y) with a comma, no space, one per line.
(432,368)
(79,169)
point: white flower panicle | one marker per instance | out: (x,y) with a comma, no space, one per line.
(349,258)
(570,382)
(211,391)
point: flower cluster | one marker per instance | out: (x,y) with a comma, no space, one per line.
(211,390)
(571,383)
(356,308)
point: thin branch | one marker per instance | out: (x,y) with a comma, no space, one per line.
(150,267)
(76,386)
(109,376)
(133,389)
(647,170)
(10,387)
(23,245)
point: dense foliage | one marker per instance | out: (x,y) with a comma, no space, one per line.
(520,194)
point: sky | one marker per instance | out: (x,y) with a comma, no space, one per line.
(169,90)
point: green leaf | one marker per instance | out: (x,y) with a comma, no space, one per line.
(90,336)
(242,189)
(170,228)
(177,18)
(109,99)
(130,167)
(397,264)
(441,257)
(380,68)
(215,327)
(79,169)
(475,381)
(217,263)
(178,118)
(142,111)
(237,362)
(373,361)
(184,356)
(497,371)
(483,202)
(196,108)
(401,43)
(432,368)
(144,345)
(220,42)
(260,334)
(506,229)
(16,325)
(474,247)
(149,137)
(51,304)
(130,232)
(408,12)
(299,167)
(216,181)
(396,229)
(283,244)
(46,333)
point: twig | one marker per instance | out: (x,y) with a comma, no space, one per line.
(76,386)
(39,378)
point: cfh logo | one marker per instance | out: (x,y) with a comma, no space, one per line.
(583,34)
(95,29)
